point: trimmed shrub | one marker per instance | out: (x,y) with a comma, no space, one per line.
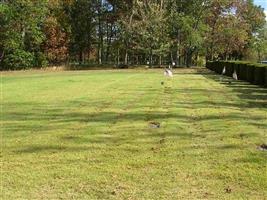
(229,69)
(237,69)
(250,73)
(259,75)
(220,67)
(243,68)
(253,73)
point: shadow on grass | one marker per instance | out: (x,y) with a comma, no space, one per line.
(51,149)
(254,96)
(64,116)
(130,134)
(41,117)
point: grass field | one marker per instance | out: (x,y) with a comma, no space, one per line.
(87,135)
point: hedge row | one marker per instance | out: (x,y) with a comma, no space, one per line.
(251,72)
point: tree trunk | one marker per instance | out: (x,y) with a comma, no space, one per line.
(161,4)
(128,41)
(100,42)
(83,55)
(109,39)
(126,57)
(189,58)
(171,58)
(80,57)
(118,56)
(259,55)
(150,58)
(99,56)
(2,55)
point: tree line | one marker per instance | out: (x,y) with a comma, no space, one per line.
(36,33)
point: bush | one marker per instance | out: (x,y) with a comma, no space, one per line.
(201,61)
(40,60)
(253,73)
(18,59)
(123,66)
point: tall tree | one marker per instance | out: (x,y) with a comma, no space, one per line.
(23,33)
(56,45)
(82,23)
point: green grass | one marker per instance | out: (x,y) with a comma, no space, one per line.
(86,135)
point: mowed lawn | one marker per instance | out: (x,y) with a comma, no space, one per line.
(87,135)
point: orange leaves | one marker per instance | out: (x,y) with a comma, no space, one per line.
(56,44)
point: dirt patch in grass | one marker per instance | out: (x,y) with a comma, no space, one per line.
(262,147)
(154,125)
